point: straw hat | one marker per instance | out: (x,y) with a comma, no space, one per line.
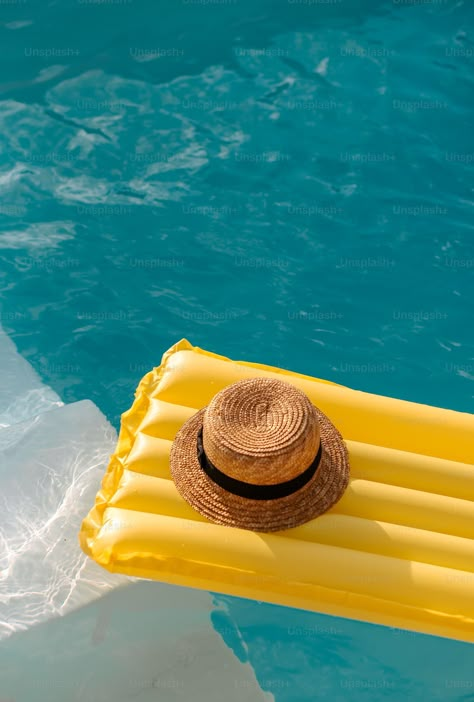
(260,456)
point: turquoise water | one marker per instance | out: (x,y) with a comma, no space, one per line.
(284,182)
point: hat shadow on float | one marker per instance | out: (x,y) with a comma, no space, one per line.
(261,457)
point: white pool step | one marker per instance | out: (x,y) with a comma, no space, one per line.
(81,632)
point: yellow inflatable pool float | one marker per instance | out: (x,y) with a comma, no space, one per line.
(397,549)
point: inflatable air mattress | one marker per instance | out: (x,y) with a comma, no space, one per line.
(397,549)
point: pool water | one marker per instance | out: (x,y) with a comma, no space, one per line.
(283,182)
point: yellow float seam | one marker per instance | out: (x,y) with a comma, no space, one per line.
(130,421)
(223,579)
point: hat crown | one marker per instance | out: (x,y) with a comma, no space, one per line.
(261,430)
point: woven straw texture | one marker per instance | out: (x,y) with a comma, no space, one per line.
(261,431)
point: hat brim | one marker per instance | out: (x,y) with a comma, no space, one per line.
(222,507)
